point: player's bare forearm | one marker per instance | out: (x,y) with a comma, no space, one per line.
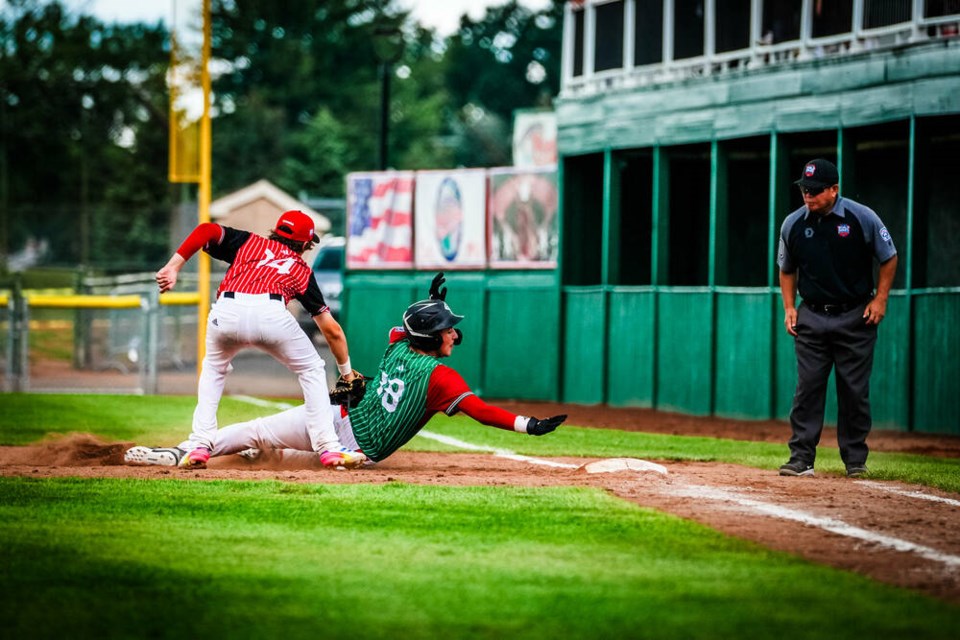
(877,308)
(335,337)
(788,291)
(167,276)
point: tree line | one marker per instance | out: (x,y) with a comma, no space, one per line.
(296,100)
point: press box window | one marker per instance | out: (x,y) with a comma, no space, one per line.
(578,22)
(608,51)
(648,30)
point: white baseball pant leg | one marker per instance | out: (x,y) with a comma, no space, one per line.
(290,345)
(285,431)
(224,340)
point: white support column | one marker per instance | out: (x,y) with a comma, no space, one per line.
(756,29)
(589,38)
(629,33)
(857,41)
(709,29)
(916,32)
(806,27)
(756,21)
(667,32)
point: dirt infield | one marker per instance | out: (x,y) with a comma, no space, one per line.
(900,534)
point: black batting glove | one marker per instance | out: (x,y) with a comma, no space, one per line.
(540,427)
(436,293)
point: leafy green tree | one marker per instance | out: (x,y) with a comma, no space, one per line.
(318,158)
(82,134)
(507,60)
(286,63)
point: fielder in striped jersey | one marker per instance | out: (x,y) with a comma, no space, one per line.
(251,311)
(411,385)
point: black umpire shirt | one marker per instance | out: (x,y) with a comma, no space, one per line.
(834,252)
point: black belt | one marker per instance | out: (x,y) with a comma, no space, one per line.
(833,309)
(273,296)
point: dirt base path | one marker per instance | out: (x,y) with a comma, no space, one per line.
(895,533)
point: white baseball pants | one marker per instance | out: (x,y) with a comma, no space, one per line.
(285,431)
(256,320)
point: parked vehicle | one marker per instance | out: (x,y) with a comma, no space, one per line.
(328,270)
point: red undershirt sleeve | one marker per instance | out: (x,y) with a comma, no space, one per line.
(449,393)
(202,236)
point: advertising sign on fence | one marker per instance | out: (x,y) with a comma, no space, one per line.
(523,224)
(380,220)
(450,219)
(534,138)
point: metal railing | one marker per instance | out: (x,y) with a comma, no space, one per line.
(132,326)
(923,24)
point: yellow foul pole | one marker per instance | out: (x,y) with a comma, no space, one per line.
(204,191)
(188,81)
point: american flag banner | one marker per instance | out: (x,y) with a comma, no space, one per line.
(380,220)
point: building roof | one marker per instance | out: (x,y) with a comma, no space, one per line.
(264,190)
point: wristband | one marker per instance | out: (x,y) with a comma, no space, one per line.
(520,424)
(344,368)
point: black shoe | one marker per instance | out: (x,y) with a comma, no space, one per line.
(857,470)
(796,469)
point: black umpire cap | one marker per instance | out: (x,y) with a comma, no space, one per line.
(819,173)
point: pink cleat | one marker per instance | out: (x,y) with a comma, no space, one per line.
(196,459)
(343,458)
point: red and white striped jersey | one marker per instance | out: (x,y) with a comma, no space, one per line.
(257,265)
(266,266)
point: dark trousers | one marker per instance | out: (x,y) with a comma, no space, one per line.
(844,343)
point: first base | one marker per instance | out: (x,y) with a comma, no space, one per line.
(611,465)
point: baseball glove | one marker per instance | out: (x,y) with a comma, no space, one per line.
(349,393)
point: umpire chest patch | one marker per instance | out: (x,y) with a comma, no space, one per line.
(843,230)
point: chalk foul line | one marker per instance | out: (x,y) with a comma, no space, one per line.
(500,453)
(910,494)
(828,524)
(260,402)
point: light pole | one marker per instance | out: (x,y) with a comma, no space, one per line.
(388,46)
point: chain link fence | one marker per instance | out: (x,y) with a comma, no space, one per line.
(116,334)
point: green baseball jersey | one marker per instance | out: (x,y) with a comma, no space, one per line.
(385,420)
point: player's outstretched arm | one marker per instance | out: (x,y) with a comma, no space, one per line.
(494,416)
(204,234)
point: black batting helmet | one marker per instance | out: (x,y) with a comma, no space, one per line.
(424,320)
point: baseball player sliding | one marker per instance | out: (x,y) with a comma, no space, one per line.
(410,387)
(250,311)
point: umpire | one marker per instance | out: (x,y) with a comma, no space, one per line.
(827,252)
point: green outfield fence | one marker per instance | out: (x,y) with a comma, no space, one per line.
(705,351)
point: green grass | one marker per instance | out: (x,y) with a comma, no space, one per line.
(153,420)
(163,558)
(165,420)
